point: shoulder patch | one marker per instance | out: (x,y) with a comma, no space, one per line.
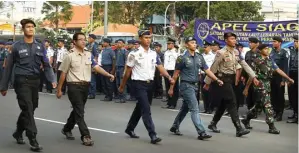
(179,59)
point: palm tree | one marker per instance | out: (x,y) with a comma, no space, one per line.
(57,11)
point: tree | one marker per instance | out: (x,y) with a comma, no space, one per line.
(57,11)
(1,4)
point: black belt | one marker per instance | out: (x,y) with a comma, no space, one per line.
(228,78)
(147,81)
(193,83)
(28,76)
(78,83)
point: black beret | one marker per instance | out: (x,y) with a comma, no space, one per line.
(136,42)
(295,37)
(229,34)
(171,40)
(206,43)
(144,32)
(262,46)
(2,42)
(215,43)
(107,40)
(9,43)
(253,40)
(157,44)
(61,40)
(187,39)
(131,41)
(277,38)
(25,21)
(92,36)
(121,40)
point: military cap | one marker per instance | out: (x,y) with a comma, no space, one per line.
(157,44)
(47,40)
(136,42)
(277,38)
(187,39)
(229,34)
(131,41)
(262,46)
(171,40)
(143,32)
(106,40)
(61,40)
(9,43)
(92,36)
(206,43)
(215,43)
(25,21)
(295,37)
(121,40)
(253,40)
(2,43)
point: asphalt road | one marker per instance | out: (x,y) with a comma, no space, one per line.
(107,121)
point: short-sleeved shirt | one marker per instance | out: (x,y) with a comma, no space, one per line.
(170,57)
(293,60)
(108,55)
(93,48)
(121,57)
(209,58)
(50,52)
(143,64)
(61,53)
(189,66)
(77,66)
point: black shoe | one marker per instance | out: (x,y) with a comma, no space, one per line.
(246,123)
(273,130)
(91,97)
(18,137)
(242,132)
(120,101)
(205,112)
(34,146)
(278,118)
(87,141)
(107,99)
(291,117)
(116,97)
(132,99)
(155,139)
(213,127)
(203,136)
(175,131)
(49,91)
(165,107)
(293,120)
(159,97)
(164,100)
(171,107)
(210,112)
(68,135)
(132,134)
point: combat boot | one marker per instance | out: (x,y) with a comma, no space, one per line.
(246,123)
(293,120)
(272,129)
(240,130)
(213,127)
(19,137)
(34,146)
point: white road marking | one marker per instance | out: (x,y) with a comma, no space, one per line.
(58,122)
(175,110)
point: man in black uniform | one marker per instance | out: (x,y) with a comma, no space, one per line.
(293,88)
(27,56)
(281,57)
(157,87)
(249,58)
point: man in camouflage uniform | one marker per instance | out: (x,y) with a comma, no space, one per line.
(264,68)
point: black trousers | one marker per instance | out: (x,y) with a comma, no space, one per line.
(144,94)
(63,89)
(239,94)
(108,86)
(130,88)
(43,80)
(78,96)
(26,88)
(99,83)
(227,100)
(172,101)
(205,95)
(277,94)
(293,91)
(251,97)
(157,87)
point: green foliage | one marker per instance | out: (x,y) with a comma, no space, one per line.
(57,10)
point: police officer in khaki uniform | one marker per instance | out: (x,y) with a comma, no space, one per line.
(227,61)
(76,69)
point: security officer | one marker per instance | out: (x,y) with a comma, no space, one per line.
(227,61)
(141,64)
(158,87)
(209,59)
(130,88)
(43,80)
(293,88)
(187,66)
(281,57)
(2,57)
(92,47)
(28,55)
(108,64)
(250,56)
(98,77)
(61,52)
(215,46)
(121,58)
(76,68)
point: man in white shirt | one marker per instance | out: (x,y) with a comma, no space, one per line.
(61,53)
(170,57)
(209,59)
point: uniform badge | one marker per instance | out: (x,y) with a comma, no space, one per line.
(38,47)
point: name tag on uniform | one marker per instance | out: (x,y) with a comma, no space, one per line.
(227,59)
(38,47)
(23,51)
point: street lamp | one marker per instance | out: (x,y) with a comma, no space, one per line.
(165,17)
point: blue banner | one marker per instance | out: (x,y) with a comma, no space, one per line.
(210,31)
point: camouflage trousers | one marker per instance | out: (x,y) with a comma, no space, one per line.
(262,103)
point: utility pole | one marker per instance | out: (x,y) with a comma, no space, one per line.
(278,14)
(106,19)
(91,19)
(208,10)
(272,11)
(173,21)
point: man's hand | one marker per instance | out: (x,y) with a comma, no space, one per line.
(120,89)
(170,92)
(256,82)
(245,92)
(291,81)
(111,77)
(54,85)
(206,87)
(282,84)
(171,80)
(58,93)
(4,92)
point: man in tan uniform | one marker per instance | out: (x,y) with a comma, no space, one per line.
(76,69)
(227,61)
